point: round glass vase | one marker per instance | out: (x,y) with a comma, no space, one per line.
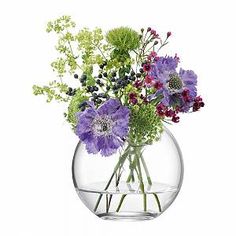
(139,182)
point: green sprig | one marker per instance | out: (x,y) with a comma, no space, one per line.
(55,90)
(145,125)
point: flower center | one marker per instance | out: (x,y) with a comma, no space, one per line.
(102,125)
(175,83)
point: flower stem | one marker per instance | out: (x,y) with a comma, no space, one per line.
(107,204)
(158,201)
(130,177)
(132,167)
(150,182)
(146,170)
(121,201)
(117,183)
(138,156)
(118,165)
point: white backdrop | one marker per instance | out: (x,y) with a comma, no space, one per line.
(36,191)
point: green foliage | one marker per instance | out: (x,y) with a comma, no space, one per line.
(60,24)
(145,125)
(54,90)
(67,61)
(73,107)
(124,39)
(91,48)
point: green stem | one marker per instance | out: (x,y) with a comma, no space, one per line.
(119,164)
(158,201)
(132,167)
(107,204)
(146,170)
(131,175)
(141,179)
(120,203)
(118,176)
(150,182)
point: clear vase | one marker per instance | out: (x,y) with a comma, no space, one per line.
(139,182)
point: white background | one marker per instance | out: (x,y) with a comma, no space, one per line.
(36,191)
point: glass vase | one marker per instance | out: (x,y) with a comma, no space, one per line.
(139,182)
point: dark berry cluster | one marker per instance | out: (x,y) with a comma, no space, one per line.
(97,98)
(83,79)
(71,91)
(82,106)
(118,83)
(102,66)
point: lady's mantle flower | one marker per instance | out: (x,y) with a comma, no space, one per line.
(103,129)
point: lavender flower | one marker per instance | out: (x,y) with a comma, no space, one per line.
(164,65)
(178,89)
(175,84)
(103,129)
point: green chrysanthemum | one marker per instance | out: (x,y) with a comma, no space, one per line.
(123,38)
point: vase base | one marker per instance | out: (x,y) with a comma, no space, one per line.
(128,216)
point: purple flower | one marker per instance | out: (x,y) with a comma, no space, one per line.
(179,89)
(164,65)
(189,79)
(175,83)
(103,129)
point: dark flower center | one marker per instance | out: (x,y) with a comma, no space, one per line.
(175,83)
(102,125)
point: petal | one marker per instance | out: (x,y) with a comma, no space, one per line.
(188,77)
(166,99)
(106,145)
(89,113)
(113,142)
(120,131)
(92,146)
(122,113)
(86,136)
(109,107)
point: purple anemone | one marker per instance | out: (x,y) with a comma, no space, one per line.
(104,129)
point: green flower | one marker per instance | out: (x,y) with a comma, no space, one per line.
(124,39)
(145,125)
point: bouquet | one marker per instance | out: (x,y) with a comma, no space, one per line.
(125,90)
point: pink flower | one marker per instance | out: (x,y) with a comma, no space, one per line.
(149,80)
(146,67)
(168,34)
(133,98)
(138,84)
(158,85)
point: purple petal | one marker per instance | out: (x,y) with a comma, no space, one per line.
(188,77)
(166,98)
(120,131)
(92,146)
(121,113)
(113,142)
(109,107)
(86,136)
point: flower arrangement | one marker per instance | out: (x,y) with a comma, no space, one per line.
(125,90)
